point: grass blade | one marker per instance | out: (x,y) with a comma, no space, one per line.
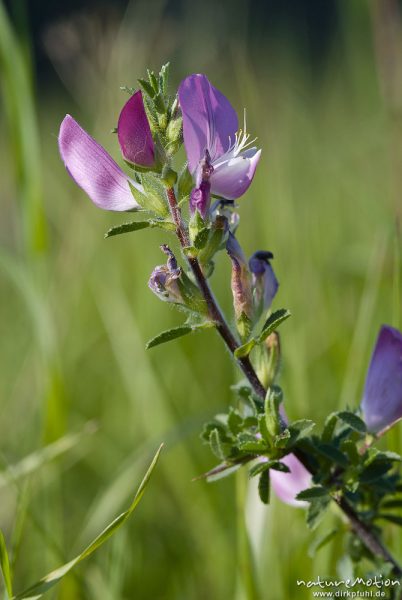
(46,583)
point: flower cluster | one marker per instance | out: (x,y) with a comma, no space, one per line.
(198,203)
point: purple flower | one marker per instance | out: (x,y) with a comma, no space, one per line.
(382,397)
(95,171)
(210,130)
(265,283)
(164,280)
(287,485)
(134,133)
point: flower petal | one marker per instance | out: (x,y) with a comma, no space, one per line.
(231,178)
(287,485)
(134,133)
(209,120)
(382,397)
(93,169)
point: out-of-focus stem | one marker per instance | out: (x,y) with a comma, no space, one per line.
(245,560)
(368,538)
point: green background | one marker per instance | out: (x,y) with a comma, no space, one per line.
(324,98)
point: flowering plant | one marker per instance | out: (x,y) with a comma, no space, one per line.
(341,465)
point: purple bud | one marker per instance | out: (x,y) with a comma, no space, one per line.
(200,198)
(164,280)
(382,397)
(134,133)
(265,284)
(241,282)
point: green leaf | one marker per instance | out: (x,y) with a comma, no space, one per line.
(201,238)
(147,87)
(185,183)
(235,421)
(219,446)
(155,193)
(329,427)
(299,429)
(273,419)
(272,323)
(391,518)
(264,487)
(176,332)
(333,454)
(37,590)
(316,511)
(349,447)
(312,493)
(220,473)
(169,335)
(263,429)
(374,471)
(5,565)
(395,503)
(258,469)
(138,225)
(353,421)
(138,196)
(269,464)
(127,227)
(321,541)
(245,349)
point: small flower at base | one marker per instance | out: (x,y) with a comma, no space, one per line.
(288,485)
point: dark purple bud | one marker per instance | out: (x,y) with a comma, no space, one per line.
(164,280)
(265,284)
(134,133)
(200,198)
(382,397)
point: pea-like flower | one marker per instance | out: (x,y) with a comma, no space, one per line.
(219,154)
(382,396)
(95,171)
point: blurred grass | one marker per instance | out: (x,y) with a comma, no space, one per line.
(76,313)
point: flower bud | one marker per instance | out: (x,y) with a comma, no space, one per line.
(164,280)
(265,284)
(241,287)
(200,198)
(382,397)
(267,359)
(171,284)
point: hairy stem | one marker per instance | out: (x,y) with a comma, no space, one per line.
(369,539)
(213,308)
